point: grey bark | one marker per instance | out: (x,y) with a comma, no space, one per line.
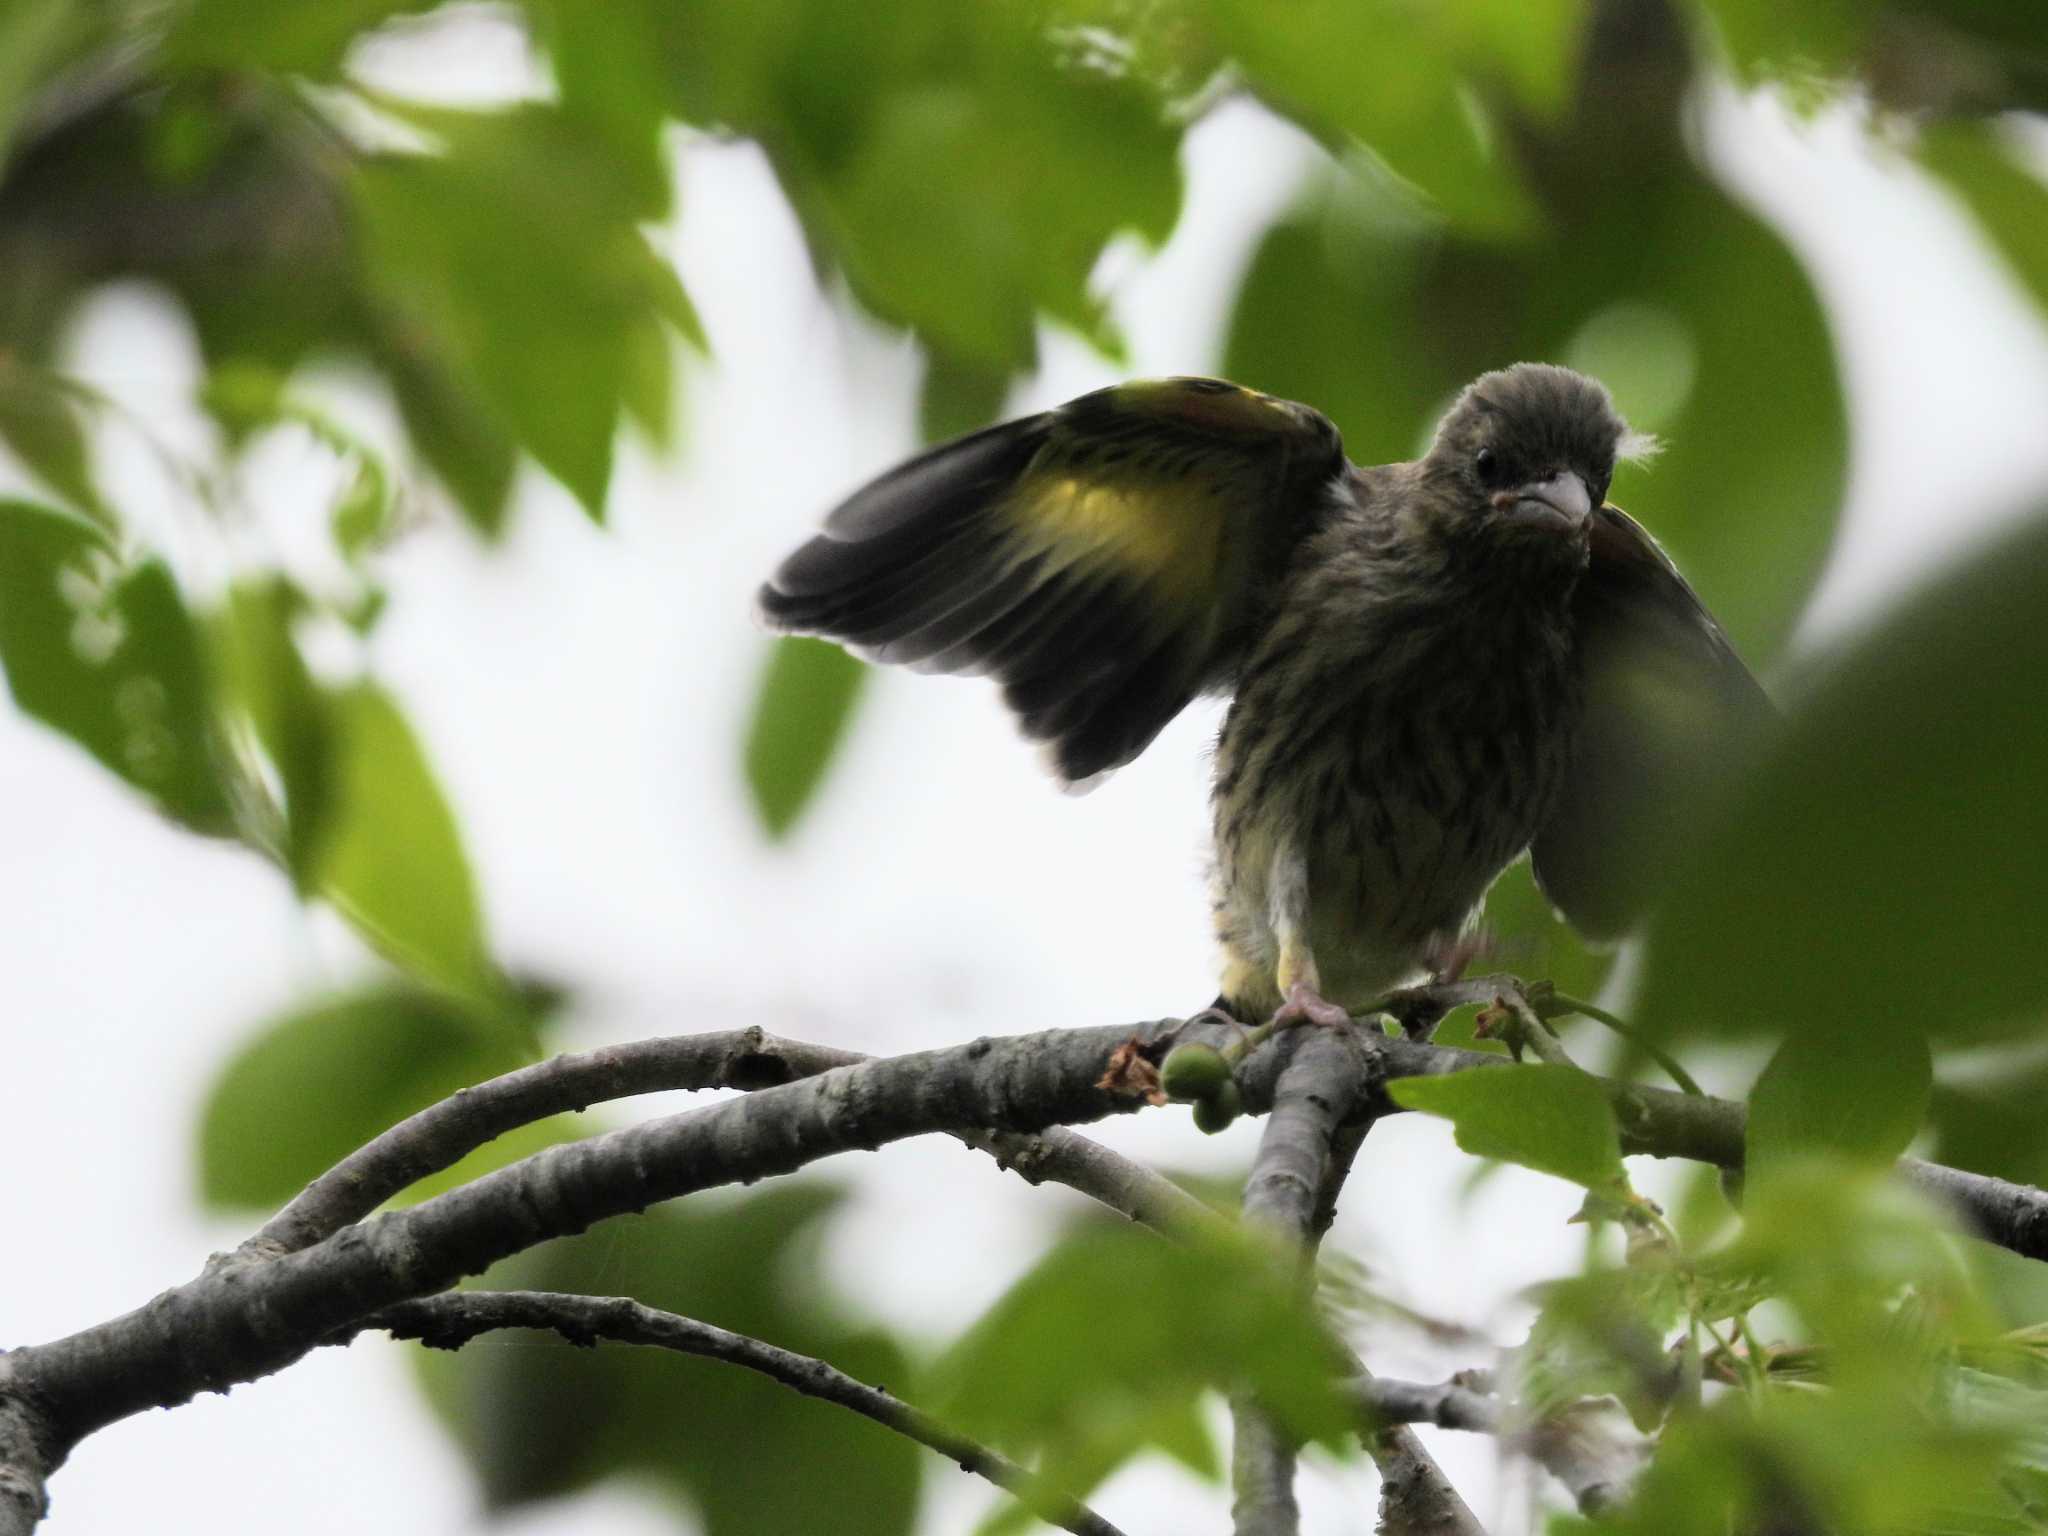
(249,1316)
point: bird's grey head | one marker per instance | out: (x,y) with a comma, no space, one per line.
(1525,455)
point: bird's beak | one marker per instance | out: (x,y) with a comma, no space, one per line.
(1560,504)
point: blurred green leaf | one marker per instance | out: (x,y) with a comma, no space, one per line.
(1845,1246)
(1908,783)
(1859,1095)
(1986,1114)
(294,39)
(1104,1348)
(42,421)
(959,171)
(390,856)
(517,253)
(1884,1294)
(36,36)
(1920,56)
(1812,1461)
(1825,36)
(609,72)
(1602,1334)
(323,1080)
(958,396)
(465,443)
(106,653)
(808,692)
(973,206)
(362,512)
(1524,934)
(1425,117)
(2016,1288)
(1550,1118)
(542,1419)
(2009,202)
(267,678)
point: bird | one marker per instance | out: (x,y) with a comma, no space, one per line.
(1433,667)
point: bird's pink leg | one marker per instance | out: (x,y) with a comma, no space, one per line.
(1301,988)
(1305,1004)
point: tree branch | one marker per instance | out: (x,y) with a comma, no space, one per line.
(1305,1153)
(241,1321)
(441,1135)
(449,1322)
(1382,1401)
(1594,1464)
(25,1463)
(1653,1121)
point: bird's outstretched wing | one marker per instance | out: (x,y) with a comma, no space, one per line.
(1105,561)
(1670,713)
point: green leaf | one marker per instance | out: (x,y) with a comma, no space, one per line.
(1105,1346)
(1924,57)
(609,72)
(1424,118)
(36,36)
(540,1419)
(808,692)
(323,1080)
(295,39)
(1831,1461)
(1986,1114)
(2009,202)
(267,678)
(1768,39)
(1886,862)
(41,420)
(390,856)
(1842,1242)
(961,172)
(958,396)
(107,654)
(1599,1334)
(1525,935)
(1859,1095)
(517,253)
(467,444)
(974,204)
(1551,1118)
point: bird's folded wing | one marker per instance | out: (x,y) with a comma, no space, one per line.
(1105,561)
(1670,714)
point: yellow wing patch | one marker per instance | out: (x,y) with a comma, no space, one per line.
(1148,478)
(1162,533)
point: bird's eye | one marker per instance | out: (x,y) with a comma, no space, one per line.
(1486,462)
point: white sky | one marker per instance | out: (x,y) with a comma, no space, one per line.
(582,693)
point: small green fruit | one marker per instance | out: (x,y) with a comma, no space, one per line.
(1193,1072)
(1219,1109)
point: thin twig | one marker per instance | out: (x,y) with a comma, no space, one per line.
(450,1321)
(1577,1445)
(1555,1004)
(1449,1405)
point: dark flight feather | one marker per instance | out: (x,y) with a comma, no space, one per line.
(1670,714)
(1104,560)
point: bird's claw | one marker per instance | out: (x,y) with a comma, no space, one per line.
(1305,1005)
